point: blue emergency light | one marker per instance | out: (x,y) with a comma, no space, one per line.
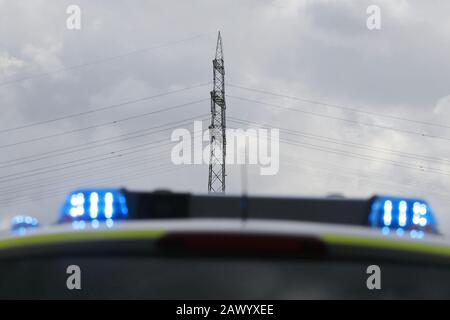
(94,204)
(401,214)
(23,222)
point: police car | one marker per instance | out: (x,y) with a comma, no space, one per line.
(114,243)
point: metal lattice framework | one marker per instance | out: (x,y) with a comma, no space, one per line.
(218,143)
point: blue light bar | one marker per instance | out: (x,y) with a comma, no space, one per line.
(402,214)
(22,222)
(94,204)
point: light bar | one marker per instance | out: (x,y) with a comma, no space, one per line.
(23,222)
(401,214)
(383,212)
(94,204)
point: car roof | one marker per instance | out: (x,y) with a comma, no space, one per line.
(331,234)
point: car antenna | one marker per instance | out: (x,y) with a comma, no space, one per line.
(244,186)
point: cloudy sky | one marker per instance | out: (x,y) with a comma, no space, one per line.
(359,111)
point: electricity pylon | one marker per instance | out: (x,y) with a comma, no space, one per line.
(217,132)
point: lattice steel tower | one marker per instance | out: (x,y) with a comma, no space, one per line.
(218,142)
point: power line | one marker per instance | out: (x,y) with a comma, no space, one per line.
(94,144)
(338,168)
(90,172)
(103,108)
(296,143)
(281,107)
(69,176)
(103,124)
(140,175)
(317,147)
(363,157)
(99,61)
(382,115)
(75,163)
(73,177)
(128,176)
(348,143)
(140,172)
(386,182)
